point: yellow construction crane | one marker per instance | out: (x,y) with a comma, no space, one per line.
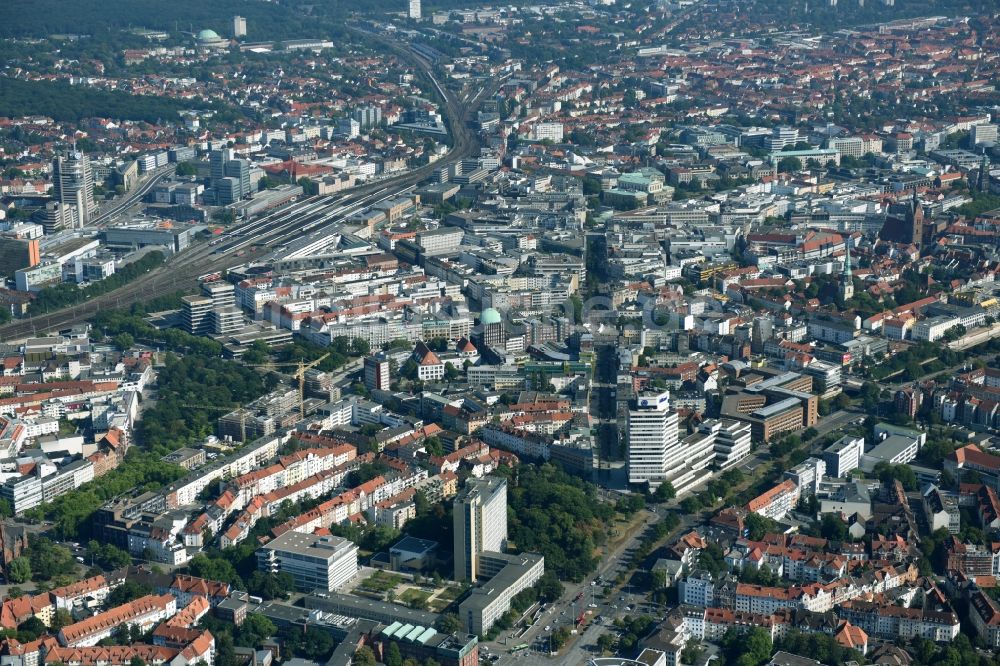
(237,408)
(299,374)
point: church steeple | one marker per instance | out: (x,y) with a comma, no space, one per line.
(846,279)
(917,221)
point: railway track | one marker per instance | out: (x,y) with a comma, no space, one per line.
(282,226)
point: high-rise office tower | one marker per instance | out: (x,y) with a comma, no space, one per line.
(480,521)
(367,116)
(414,12)
(240,170)
(652,439)
(218,159)
(376,374)
(196,314)
(239,27)
(73,184)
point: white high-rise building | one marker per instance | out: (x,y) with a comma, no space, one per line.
(480,520)
(239,27)
(982,134)
(652,439)
(844,455)
(414,12)
(73,184)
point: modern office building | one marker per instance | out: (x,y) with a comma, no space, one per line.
(196,314)
(239,170)
(508,576)
(73,184)
(18,253)
(549,131)
(368,116)
(414,9)
(55,216)
(847,146)
(732,442)
(807,475)
(217,160)
(894,450)
(480,520)
(223,294)
(376,374)
(239,27)
(316,563)
(982,134)
(844,455)
(227,191)
(226,320)
(652,438)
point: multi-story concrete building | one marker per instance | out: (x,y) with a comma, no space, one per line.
(698,589)
(549,131)
(984,613)
(316,563)
(480,521)
(377,374)
(18,253)
(73,184)
(848,146)
(508,575)
(807,475)
(196,314)
(142,613)
(652,439)
(732,441)
(777,501)
(844,455)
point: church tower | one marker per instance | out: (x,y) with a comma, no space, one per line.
(917,222)
(846,279)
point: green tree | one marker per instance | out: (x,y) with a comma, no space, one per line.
(256,629)
(664,492)
(434,446)
(186,169)
(548,587)
(559,637)
(128,591)
(752,648)
(19,570)
(757,526)
(393,657)
(48,559)
(833,527)
(789,164)
(61,618)
(449,623)
(32,626)
(270,585)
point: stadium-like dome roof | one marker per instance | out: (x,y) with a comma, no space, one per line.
(206,36)
(489,316)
